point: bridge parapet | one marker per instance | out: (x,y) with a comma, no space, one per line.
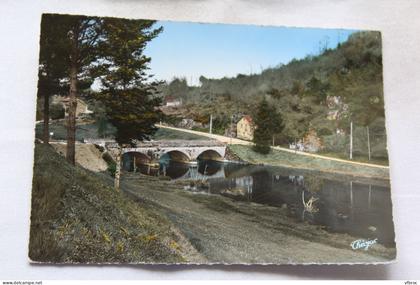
(101,142)
(180,143)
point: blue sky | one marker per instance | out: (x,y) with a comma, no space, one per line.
(217,50)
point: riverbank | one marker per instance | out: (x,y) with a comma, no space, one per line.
(305,162)
(77,217)
(224,230)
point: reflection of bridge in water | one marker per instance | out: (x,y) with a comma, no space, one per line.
(178,170)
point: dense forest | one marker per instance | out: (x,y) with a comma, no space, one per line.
(321,94)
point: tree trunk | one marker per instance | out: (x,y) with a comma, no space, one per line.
(46,133)
(71,124)
(118,170)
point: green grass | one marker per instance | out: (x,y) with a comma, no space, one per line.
(168,134)
(78,217)
(82,131)
(357,158)
(286,159)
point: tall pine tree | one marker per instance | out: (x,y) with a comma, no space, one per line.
(84,36)
(53,59)
(268,122)
(128,93)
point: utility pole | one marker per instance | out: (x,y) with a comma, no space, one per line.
(351,140)
(231,128)
(211,124)
(368,141)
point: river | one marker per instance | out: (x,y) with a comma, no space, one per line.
(359,207)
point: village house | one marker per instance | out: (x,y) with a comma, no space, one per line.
(245,128)
(172,102)
(332,115)
(81,109)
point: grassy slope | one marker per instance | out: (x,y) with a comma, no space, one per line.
(77,217)
(167,134)
(359,158)
(281,158)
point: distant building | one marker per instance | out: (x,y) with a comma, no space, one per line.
(332,115)
(333,101)
(245,128)
(172,102)
(81,109)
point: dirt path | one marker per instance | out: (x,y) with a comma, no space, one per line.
(229,140)
(228,231)
(87,155)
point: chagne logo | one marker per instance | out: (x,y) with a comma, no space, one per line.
(362,243)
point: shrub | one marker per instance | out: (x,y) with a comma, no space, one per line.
(335,143)
(324,132)
(112,168)
(57,111)
(261,148)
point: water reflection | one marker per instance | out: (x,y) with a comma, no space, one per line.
(340,205)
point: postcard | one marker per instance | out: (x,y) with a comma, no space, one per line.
(164,142)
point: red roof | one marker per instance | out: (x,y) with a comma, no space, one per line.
(247,118)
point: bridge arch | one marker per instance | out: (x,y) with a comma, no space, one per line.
(210,154)
(134,158)
(176,155)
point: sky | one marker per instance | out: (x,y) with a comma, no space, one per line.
(217,50)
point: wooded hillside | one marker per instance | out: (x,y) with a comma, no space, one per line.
(322,93)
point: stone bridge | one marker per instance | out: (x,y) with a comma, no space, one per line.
(176,150)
